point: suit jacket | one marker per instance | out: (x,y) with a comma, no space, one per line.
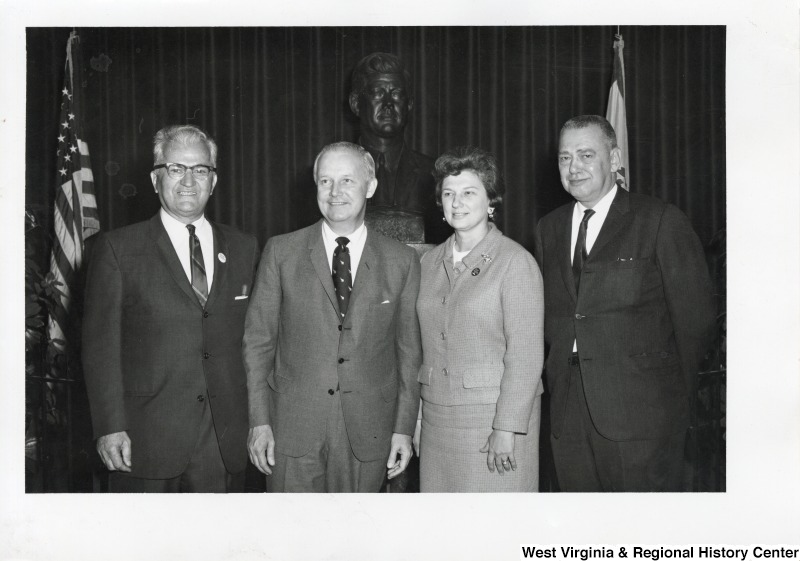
(154,358)
(297,351)
(482,334)
(643,320)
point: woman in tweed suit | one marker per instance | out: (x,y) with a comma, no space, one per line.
(481,314)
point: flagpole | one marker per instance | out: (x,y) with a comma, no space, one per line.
(616,114)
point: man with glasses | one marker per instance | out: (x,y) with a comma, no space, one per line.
(163,325)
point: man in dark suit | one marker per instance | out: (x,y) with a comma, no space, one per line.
(628,318)
(163,324)
(382,99)
(332,344)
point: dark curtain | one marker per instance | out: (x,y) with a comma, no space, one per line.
(272,97)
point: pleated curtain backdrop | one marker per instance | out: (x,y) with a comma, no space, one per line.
(272,97)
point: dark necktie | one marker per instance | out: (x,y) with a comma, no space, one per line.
(199,282)
(581,254)
(385,191)
(342,277)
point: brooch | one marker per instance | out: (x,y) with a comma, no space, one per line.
(476,272)
(221,257)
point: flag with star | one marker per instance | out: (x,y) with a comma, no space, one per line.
(75,213)
(615,113)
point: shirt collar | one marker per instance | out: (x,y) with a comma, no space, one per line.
(601,208)
(329,236)
(172,224)
(481,252)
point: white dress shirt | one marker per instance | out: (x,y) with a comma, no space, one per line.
(355,245)
(595,222)
(179,236)
(592,227)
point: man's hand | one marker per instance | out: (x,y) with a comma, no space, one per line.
(115,451)
(401,445)
(261,447)
(500,451)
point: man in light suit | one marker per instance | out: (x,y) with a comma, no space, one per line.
(628,318)
(331,350)
(163,323)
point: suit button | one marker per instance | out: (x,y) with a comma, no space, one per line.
(200,398)
(340,327)
(444,299)
(578,316)
(205,314)
(443,336)
(444,371)
(206,355)
(330,392)
(341,360)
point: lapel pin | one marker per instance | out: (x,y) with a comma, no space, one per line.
(221,257)
(475,272)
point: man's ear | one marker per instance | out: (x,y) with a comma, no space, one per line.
(616,159)
(371,186)
(154,179)
(354,103)
(410,104)
(213,184)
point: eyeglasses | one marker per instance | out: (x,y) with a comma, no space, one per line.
(177,171)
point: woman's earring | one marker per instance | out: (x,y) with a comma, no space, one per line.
(444,219)
(491,211)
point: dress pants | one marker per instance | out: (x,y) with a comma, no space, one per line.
(586,461)
(330,466)
(205,472)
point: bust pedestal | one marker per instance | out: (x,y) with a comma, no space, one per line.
(401,225)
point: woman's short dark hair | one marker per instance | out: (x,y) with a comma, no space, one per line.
(470,158)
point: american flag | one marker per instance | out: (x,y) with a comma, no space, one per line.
(615,113)
(76,217)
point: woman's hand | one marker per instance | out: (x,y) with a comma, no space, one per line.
(500,448)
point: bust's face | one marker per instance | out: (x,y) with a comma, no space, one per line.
(384,105)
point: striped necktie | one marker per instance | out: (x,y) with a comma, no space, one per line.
(199,282)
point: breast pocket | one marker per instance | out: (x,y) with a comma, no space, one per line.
(381,315)
(621,282)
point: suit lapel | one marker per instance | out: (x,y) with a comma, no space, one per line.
(220,267)
(366,269)
(170,257)
(563,244)
(319,259)
(617,217)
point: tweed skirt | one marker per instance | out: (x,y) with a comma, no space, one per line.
(450,457)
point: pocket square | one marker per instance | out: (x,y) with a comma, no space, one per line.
(242,297)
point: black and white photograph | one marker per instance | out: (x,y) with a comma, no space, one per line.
(291,268)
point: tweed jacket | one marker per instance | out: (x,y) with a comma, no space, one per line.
(298,350)
(153,358)
(482,326)
(643,318)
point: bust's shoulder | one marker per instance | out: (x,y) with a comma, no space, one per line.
(420,160)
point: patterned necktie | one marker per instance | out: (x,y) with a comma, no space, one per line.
(342,276)
(581,254)
(199,282)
